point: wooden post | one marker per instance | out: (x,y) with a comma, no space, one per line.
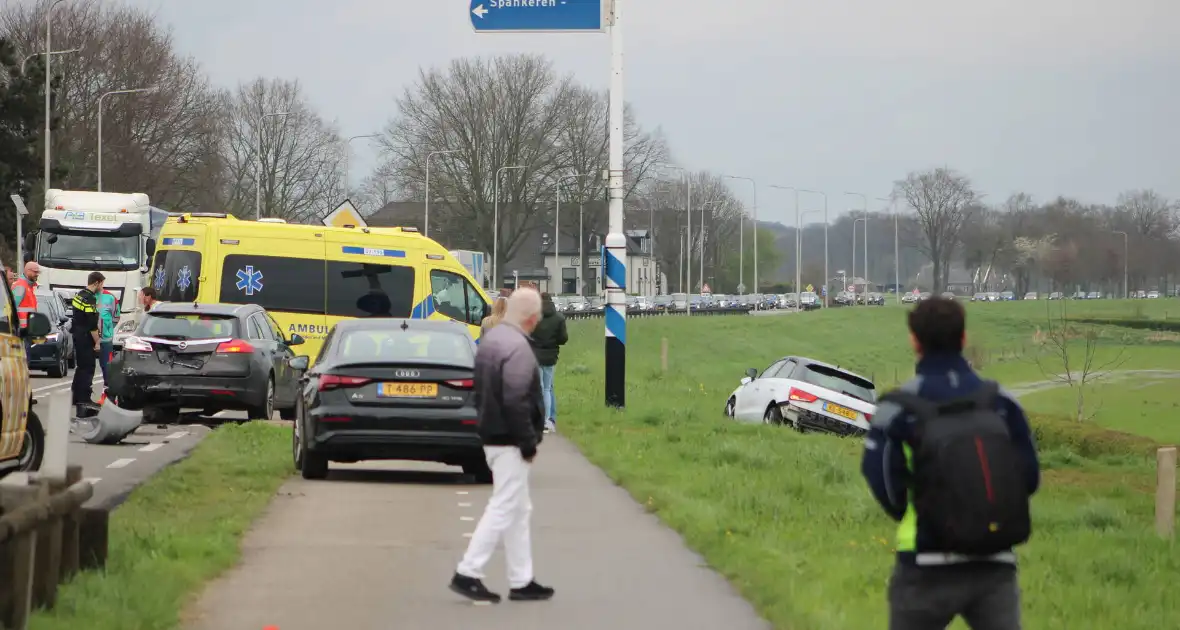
(664,354)
(69,530)
(47,571)
(1165,491)
(93,535)
(17,569)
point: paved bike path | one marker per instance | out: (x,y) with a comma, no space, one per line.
(374,546)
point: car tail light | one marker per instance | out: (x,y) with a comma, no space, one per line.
(236,346)
(335,419)
(332,381)
(799,395)
(868,417)
(463,383)
(135,344)
(470,423)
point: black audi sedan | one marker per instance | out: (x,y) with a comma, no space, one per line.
(54,352)
(208,357)
(389,389)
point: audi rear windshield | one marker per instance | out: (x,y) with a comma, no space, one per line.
(394,345)
(840,381)
(190,326)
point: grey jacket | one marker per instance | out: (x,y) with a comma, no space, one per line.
(508,390)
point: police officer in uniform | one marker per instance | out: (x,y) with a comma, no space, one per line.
(86,338)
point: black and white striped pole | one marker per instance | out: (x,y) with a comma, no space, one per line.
(615,251)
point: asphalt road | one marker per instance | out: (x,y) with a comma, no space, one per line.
(117,470)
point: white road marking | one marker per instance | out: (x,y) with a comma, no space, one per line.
(121,463)
(154,446)
(93,480)
(468,534)
(48,387)
(176,436)
(461,492)
(467,518)
(464,505)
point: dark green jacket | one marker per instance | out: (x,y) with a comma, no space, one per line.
(550,334)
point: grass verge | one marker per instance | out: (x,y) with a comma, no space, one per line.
(177,531)
(787,518)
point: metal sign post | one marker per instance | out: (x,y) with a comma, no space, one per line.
(585,16)
(21,212)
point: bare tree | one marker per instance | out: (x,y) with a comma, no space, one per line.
(162,143)
(943,201)
(297,158)
(1070,355)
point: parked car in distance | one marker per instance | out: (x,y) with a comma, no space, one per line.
(1139,295)
(211,357)
(1056,295)
(947,295)
(1007,296)
(1152,295)
(876,299)
(1031,295)
(909,298)
(806,394)
(53,353)
(809,300)
(662,302)
(1094,295)
(925,295)
(389,389)
(979,297)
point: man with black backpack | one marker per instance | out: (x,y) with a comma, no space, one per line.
(951,457)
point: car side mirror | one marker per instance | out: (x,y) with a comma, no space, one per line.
(151,247)
(751,373)
(63,319)
(747,380)
(39,326)
(296,340)
(299,363)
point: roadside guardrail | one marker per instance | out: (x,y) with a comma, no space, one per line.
(46,534)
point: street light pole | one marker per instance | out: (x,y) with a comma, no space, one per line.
(854,222)
(688,250)
(348,157)
(896,252)
(557,225)
(799,261)
(825,196)
(258,165)
(38,54)
(48,86)
(134,91)
(798,240)
(426,219)
(865,213)
(1126,283)
(754,185)
(703,206)
(496,224)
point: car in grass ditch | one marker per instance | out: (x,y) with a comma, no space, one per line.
(209,357)
(806,394)
(390,389)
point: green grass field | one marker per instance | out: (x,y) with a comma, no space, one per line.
(787,517)
(176,532)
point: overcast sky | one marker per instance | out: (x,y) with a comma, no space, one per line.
(1072,97)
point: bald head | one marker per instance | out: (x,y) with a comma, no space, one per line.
(524,309)
(32,271)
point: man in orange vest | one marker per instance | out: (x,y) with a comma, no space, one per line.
(24,290)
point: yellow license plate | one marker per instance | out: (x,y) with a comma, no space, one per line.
(408,390)
(841,411)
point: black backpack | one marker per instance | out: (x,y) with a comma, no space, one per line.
(969,486)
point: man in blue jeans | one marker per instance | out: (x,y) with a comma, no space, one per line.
(547,340)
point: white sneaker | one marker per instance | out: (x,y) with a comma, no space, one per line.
(550,427)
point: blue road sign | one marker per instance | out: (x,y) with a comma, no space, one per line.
(507,16)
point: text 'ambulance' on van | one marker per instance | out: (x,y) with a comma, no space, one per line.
(311,276)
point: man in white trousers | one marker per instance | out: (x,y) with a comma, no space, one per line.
(511,421)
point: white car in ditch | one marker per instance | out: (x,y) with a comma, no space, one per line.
(806,394)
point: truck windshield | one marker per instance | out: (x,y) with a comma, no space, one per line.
(71,250)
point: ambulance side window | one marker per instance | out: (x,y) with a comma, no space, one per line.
(7,308)
(453,297)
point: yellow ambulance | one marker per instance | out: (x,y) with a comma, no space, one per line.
(311,276)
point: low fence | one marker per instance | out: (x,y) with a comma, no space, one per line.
(696,312)
(47,535)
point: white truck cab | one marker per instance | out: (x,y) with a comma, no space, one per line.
(85,231)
